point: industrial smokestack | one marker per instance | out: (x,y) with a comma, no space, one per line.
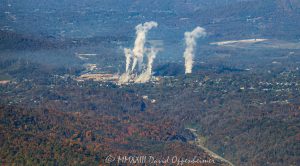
(128,55)
(147,74)
(139,44)
(190,41)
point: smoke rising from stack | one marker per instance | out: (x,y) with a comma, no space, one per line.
(128,55)
(190,41)
(139,44)
(137,55)
(147,74)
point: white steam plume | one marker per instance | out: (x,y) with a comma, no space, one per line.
(147,74)
(128,55)
(124,78)
(190,41)
(141,35)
